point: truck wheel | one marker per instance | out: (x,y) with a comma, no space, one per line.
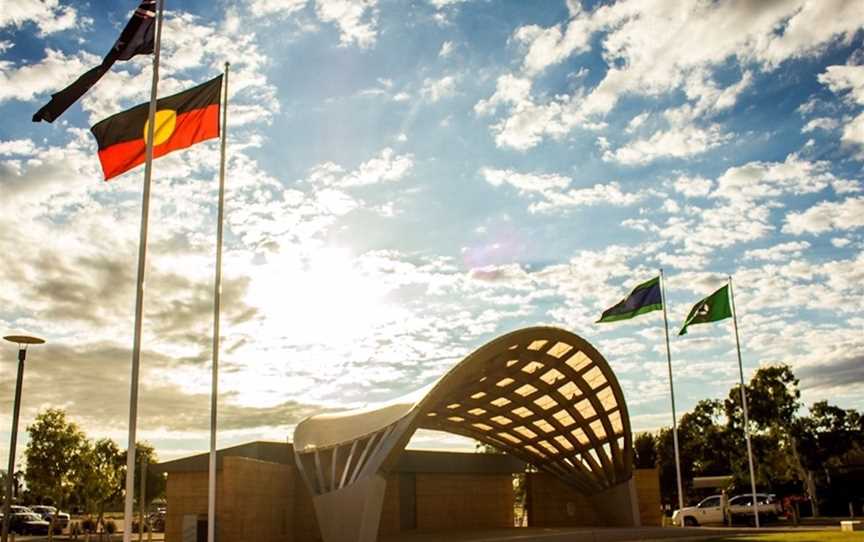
(690,522)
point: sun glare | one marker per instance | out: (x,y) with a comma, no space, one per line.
(322,297)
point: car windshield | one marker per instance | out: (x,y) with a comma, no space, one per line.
(29,517)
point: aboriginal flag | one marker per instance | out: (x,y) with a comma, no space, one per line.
(137,38)
(181,121)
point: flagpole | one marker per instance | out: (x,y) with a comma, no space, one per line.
(672,393)
(744,404)
(217,301)
(139,295)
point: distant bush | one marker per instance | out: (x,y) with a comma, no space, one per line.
(110,526)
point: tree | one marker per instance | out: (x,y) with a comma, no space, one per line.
(102,482)
(645,450)
(155,482)
(55,457)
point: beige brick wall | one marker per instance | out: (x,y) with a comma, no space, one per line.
(254,501)
(552,503)
(464,501)
(648,490)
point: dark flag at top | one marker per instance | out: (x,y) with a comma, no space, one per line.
(136,39)
(644,298)
(181,121)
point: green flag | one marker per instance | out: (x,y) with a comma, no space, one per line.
(644,298)
(712,308)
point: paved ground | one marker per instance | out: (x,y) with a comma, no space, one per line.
(645,534)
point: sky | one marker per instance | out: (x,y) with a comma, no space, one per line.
(408,180)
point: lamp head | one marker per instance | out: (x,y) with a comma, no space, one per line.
(24,339)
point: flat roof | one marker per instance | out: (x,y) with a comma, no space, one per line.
(416,461)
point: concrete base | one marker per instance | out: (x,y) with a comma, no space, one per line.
(351,514)
(618,506)
(850,526)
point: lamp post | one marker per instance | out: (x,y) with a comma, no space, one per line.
(22,341)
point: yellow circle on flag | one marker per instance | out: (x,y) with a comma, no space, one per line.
(166,121)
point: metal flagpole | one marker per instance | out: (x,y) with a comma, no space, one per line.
(139,296)
(672,393)
(744,404)
(217,300)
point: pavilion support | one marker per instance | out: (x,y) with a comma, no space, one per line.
(352,513)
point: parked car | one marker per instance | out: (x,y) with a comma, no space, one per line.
(47,512)
(741,507)
(27,523)
(708,511)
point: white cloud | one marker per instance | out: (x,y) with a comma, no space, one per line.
(49,15)
(643,60)
(528,122)
(548,46)
(609,194)
(17,147)
(357,20)
(756,180)
(841,242)
(821,123)
(552,187)
(386,167)
(262,8)
(673,143)
(841,79)
(778,253)
(444,3)
(446,49)
(525,182)
(827,216)
(436,89)
(52,73)
(693,187)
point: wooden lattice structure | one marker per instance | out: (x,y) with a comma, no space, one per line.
(542,394)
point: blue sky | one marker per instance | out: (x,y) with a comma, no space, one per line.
(408,180)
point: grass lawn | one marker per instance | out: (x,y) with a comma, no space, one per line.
(807,536)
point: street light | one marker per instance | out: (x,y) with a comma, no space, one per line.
(22,341)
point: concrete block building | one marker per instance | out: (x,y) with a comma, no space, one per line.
(261,498)
(544,396)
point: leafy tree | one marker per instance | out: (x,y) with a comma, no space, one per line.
(773,399)
(102,482)
(145,453)
(645,449)
(55,457)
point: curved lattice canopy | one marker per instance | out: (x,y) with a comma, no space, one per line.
(542,394)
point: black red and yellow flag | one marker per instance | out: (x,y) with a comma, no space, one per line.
(181,121)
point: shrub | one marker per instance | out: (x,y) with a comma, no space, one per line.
(88,525)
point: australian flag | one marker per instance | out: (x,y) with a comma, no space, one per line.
(644,298)
(138,38)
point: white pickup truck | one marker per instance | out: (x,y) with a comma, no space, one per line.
(710,510)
